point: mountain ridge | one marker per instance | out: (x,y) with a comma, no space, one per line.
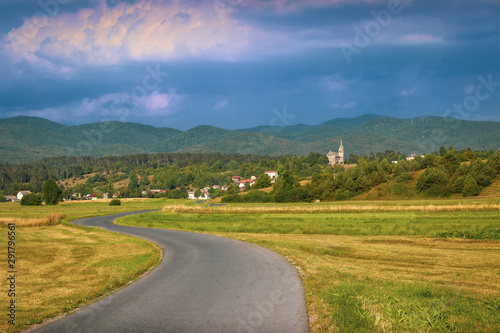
(24,138)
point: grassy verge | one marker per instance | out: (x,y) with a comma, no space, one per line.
(378,271)
(61,266)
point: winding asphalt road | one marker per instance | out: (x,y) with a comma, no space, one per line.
(204,284)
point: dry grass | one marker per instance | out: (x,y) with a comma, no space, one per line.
(136,200)
(454,274)
(61,267)
(345,208)
(51,219)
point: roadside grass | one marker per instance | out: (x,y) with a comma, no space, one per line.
(472,224)
(376,271)
(61,266)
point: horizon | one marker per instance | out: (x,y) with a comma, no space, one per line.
(291,125)
(242,64)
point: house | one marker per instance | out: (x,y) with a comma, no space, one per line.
(21,194)
(115,195)
(91,196)
(254,177)
(336,158)
(153,192)
(394,161)
(203,196)
(273,174)
(412,157)
(11,198)
(245,181)
(235,179)
(105,196)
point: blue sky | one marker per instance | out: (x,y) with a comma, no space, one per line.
(238,63)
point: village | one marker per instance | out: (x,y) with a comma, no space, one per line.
(334,158)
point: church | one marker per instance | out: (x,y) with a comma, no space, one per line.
(336,158)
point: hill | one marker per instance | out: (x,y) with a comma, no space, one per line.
(24,139)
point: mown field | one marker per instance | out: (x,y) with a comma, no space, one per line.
(426,266)
(61,266)
(386,266)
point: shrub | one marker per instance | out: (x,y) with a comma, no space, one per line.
(31,200)
(232,198)
(470,188)
(115,202)
(403,177)
(52,193)
(401,190)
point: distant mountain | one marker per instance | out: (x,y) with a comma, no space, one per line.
(353,122)
(24,139)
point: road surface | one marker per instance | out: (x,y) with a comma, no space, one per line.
(204,284)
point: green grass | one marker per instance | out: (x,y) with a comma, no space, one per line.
(373,272)
(475,225)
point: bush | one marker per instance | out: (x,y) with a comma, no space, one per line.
(52,193)
(470,188)
(404,177)
(115,202)
(401,190)
(31,200)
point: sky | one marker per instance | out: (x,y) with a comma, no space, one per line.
(238,63)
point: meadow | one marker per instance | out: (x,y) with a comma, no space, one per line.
(370,266)
(60,266)
(428,266)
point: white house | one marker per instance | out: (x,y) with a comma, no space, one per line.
(273,174)
(203,196)
(244,181)
(21,194)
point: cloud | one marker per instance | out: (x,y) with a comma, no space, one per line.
(419,39)
(408,92)
(335,83)
(348,105)
(220,104)
(117,106)
(145,30)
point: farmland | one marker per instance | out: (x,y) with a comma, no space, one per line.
(372,266)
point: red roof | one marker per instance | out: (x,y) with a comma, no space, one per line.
(246,181)
(273,171)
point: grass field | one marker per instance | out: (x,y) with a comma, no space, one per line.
(406,266)
(61,266)
(427,266)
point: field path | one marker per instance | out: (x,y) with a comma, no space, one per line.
(204,284)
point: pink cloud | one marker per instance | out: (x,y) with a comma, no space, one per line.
(144,30)
(419,39)
(408,92)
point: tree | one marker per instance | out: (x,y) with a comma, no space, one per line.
(470,187)
(197,193)
(442,151)
(31,200)
(2,198)
(133,182)
(262,182)
(115,202)
(233,189)
(51,192)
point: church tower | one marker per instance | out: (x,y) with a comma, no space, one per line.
(341,152)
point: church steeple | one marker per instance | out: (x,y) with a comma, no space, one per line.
(341,147)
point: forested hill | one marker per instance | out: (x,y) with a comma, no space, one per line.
(24,139)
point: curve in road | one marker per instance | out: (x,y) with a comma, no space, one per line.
(204,284)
